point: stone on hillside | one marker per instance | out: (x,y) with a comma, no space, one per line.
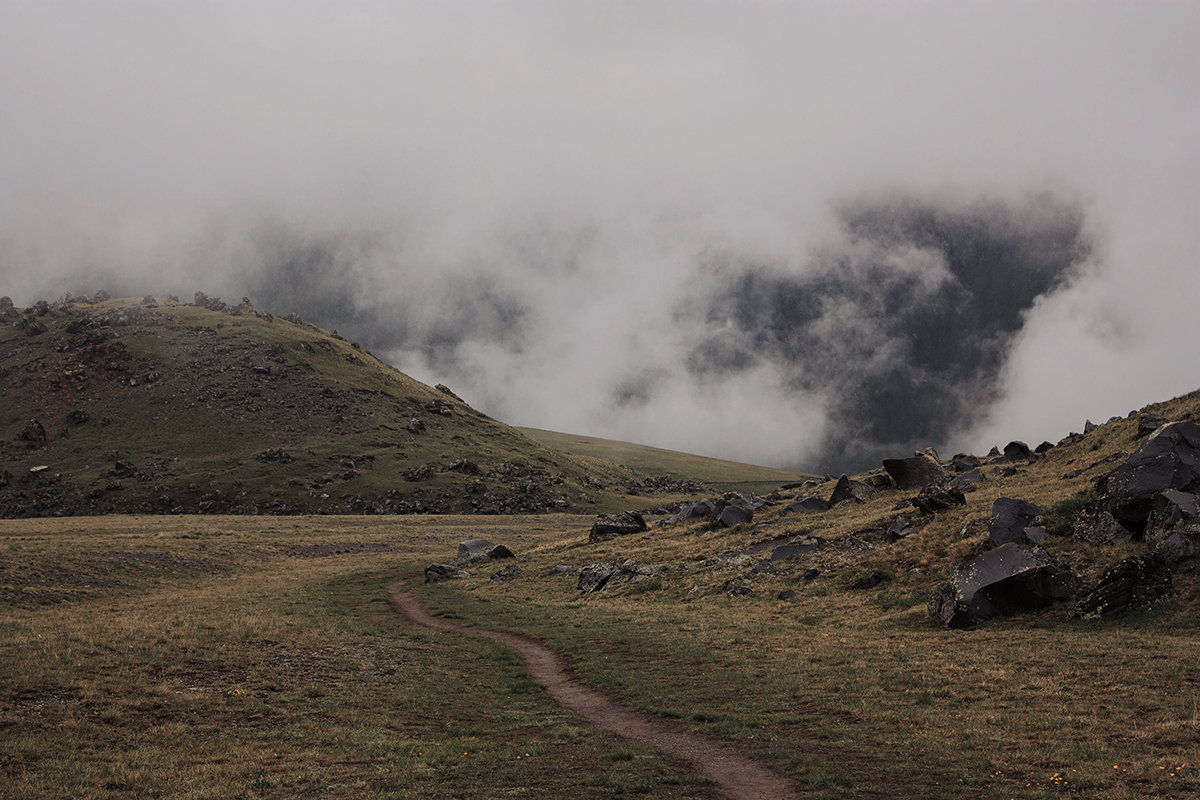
(506,574)
(1130,584)
(479,550)
(933,499)
(1170,459)
(1017,451)
(963,462)
(701,509)
(847,489)
(443,572)
(1170,508)
(1148,423)
(734,514)
(415,426)
(914,473)
(1044,447)
(560,569)
(1089,426)
(5,478)
(870,581)
(796,547)
(810,504)
(1005,581)
(1010,518)
(738,587)
(34,433)
(897,530)
(971,478)
(595,577)
(1176,544)
(1098,526)
(608,526)
(418,474)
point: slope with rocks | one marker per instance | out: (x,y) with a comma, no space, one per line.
(158,406)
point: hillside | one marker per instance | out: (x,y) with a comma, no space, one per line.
(714,472)
(157,406)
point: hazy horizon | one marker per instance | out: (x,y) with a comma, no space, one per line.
(794,234)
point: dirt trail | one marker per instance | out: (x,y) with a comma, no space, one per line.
(740,777)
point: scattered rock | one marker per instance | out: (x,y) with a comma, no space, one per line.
(811,573)
(1044,447)
(275,455)
(77,417)
(796,547)
(415,426)
(443,572)
(850,490)
(786,594)
(595,577)
(933,499)
(1148,423)
(914,473)
(1005,581)
(806,505)
(418,474)
(1098,526)
(474,550)
(608,526)
(870,581)
(506,574)
(1130,584)
(1170,459)
(34,433)
(1017,451)
(1010,518)
(962,462)
(897,530)
(738,587)
(560,569)
(1170,508)
(444,389)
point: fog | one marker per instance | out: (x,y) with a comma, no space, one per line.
(805,234)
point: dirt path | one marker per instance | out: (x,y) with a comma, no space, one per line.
(740,777)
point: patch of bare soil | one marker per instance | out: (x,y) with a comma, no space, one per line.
(740,777)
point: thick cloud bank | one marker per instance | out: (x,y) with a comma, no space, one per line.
(790,233)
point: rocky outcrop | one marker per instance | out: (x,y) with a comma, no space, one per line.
(474,550)
(435,573)
(850,490)
(1007,580)
(604,574)
(609,526)
(1170,459)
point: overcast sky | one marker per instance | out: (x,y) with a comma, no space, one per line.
(544,204)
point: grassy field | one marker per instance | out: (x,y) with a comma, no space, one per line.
(717,473)
(256,657)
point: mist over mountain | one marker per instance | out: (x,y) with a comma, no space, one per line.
(791,234)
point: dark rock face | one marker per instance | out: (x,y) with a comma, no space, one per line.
(914,473)
(33,433)
(1005,581)
(1010,518)
(443,572)
(1171,508)
(1017,451)
(1176,544)
(608,526)
(1130,584)
(933,499)
(734,514)
(595,577)
(415,426)
(847,489)
(1170,459)
(701,509)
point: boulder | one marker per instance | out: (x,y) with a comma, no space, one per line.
(1130,584)
(847,489)
(914,473)
(415,426)
(34,433)
(1176,544)
(1169,459)
(1017,451)
(733,514)
(1045,447)
(595,577)
(443,572)
(1010,518)
(1148,423)
(1170,508)
(962,462)
(796,547)
(933,499)
(1007,580)
(870,581)
(738,587)
(701,509)
(474,550)
(897,530)
(806,505)
(608,526)
(506,574)
(1098,526)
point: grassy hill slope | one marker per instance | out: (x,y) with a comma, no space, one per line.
(715,472)
(157,406)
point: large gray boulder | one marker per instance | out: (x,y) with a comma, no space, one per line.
(604,574)
(1007,580)
(914,473)
(1169,459)
(850,490)
(1010,518)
